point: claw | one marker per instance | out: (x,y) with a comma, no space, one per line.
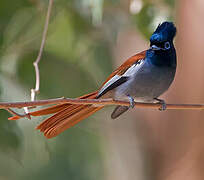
(163,104)
(131,100)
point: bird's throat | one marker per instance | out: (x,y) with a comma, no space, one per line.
(162,58)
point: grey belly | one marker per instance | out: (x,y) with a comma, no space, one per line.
(147,83)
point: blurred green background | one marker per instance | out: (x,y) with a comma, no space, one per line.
(79,54)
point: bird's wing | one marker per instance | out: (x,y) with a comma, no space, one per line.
(122,73)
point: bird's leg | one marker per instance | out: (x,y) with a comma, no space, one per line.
(131,100)
(162,102)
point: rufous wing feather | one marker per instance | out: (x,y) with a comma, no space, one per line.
(66,121)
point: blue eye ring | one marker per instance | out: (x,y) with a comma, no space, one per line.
(167,45)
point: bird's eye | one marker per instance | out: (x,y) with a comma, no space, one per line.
(167,45)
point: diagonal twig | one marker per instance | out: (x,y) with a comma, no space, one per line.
(36,62)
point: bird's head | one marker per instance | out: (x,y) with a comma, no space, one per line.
(162,38)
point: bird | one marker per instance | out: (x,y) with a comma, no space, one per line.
(141,78)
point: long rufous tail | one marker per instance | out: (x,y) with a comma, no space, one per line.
(65,116)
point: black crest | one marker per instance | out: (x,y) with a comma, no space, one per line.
(164,31)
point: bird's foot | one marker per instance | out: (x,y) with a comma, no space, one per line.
(163,104)
(131,100)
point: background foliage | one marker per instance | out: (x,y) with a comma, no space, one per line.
(76,60)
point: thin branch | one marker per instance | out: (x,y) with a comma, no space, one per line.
(6,105)
(36,62)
